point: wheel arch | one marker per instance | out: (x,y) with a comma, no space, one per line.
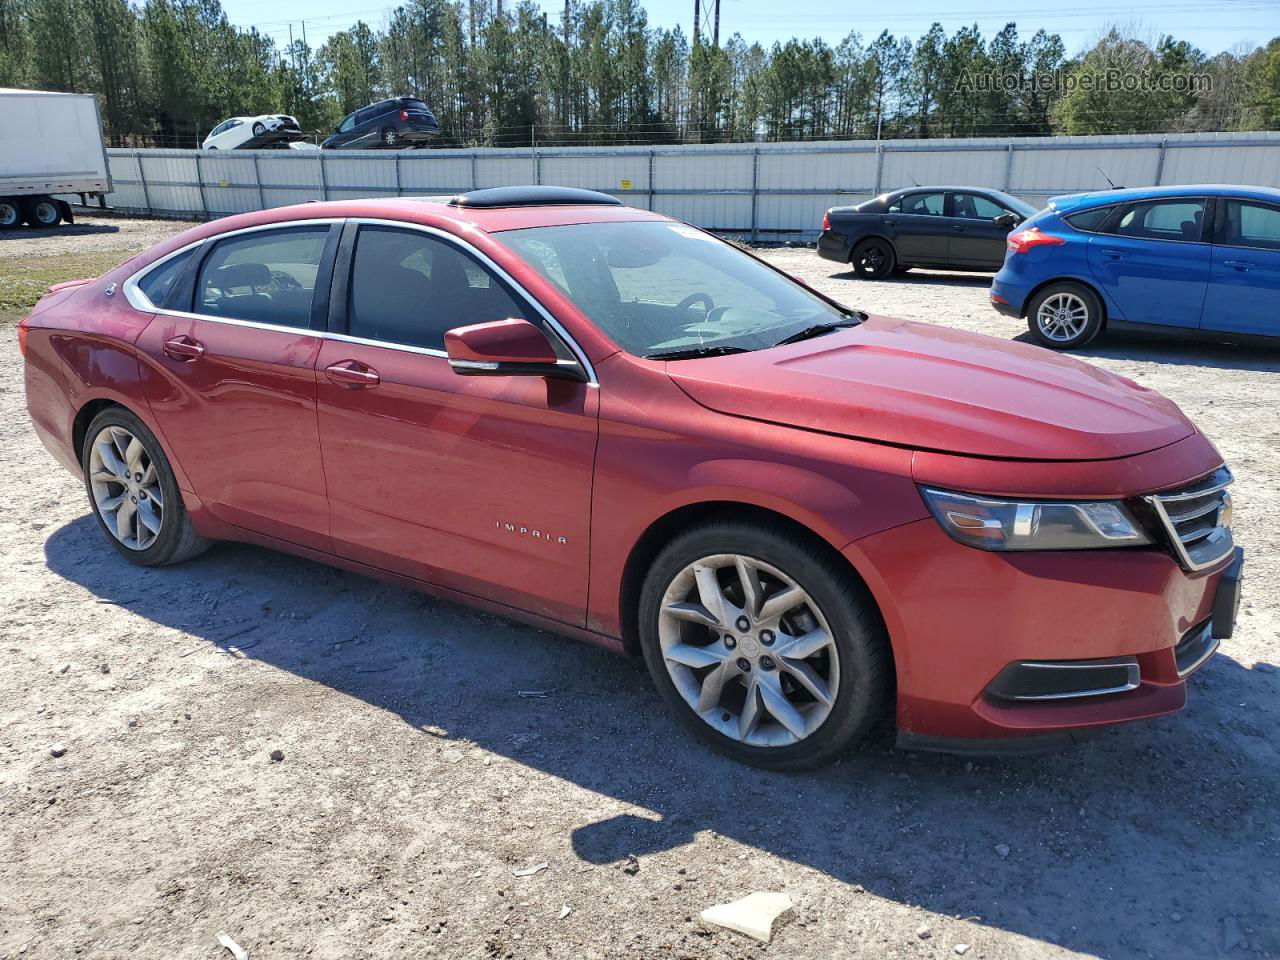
(660,531)
(84,416)
(875,235)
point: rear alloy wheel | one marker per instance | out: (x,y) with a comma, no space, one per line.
(873,259)
(10,215)
(390,137)
(259,129)
(134,493)
(1063,316)
(43,213)
(761,647)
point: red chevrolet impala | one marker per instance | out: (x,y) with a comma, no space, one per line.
(611,424)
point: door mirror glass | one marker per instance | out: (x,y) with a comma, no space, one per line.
(506,348)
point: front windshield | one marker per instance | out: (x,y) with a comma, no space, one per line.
(660,288)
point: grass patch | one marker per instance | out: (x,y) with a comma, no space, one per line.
(23,280)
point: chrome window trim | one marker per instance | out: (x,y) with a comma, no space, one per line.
(138,300)
(511,281)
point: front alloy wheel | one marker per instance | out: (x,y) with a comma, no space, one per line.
(748,650)
(763,643)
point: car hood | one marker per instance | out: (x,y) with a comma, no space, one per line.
(933,388)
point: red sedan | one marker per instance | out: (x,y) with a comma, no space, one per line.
(611,424)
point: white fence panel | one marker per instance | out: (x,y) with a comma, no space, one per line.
(765,191)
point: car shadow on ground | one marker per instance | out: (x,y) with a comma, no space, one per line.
(1191,351)
(1102,849)
(63,230)
(925,277)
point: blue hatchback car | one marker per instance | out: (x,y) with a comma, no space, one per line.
(1172,259)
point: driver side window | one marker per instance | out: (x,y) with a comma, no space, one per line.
(971,206)
(266,277)
(347,124)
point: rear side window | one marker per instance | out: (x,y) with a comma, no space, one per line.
(266,277)
(1090,221)
(1160,220)
(1251,225)
(408,288)
(921,204)
(159,284)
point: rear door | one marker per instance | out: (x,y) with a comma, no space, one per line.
(976,240)
(1152,261)
(1244,283)
(231,379)
(477,484)
(918,227)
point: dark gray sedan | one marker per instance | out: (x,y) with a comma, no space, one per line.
(952,228)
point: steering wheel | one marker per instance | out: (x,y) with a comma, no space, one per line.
(691,299)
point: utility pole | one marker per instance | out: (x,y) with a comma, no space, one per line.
(697,19)
(715,36)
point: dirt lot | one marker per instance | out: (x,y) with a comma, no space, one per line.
(415,778)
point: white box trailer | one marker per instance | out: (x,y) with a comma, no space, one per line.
(50,144)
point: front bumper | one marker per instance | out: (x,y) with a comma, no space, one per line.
(959,617)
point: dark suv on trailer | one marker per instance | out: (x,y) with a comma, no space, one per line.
(397,122)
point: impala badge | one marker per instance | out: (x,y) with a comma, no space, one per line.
(520,530)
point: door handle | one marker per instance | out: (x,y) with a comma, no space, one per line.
(352,374)
(891,223)
(958,228)
(1238,264)
(1113,254)
(184,348)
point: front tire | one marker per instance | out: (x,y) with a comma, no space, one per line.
(763,648)
(1064,316)
(259,130)
(873,259)
(133,492)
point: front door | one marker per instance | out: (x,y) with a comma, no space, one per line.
(1153,262)
(976,239)
(1244,284)
(478,484)
(918,228)
(231,381)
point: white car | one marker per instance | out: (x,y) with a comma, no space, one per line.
(250,132)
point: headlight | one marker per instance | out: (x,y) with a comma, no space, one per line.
(991,524)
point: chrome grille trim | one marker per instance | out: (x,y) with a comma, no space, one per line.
(1193,527)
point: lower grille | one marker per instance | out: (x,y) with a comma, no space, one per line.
(1196,519)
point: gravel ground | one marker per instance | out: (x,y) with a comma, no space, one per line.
(415,778)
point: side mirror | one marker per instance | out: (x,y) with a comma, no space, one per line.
(1007,220)
(506,348)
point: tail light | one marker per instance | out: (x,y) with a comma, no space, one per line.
(404,114)
(1029,239)
(826,220)
(23,329)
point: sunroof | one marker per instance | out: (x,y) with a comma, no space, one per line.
(531,196)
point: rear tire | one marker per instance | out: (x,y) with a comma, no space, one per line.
(134,494)
(390,137)
(785,690)
(873,259)
(259,130)
(10,215)
(1064,316)
(43,213)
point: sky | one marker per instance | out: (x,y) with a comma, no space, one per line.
(1211,26)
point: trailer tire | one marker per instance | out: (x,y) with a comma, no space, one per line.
(10,214)
(43,212)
